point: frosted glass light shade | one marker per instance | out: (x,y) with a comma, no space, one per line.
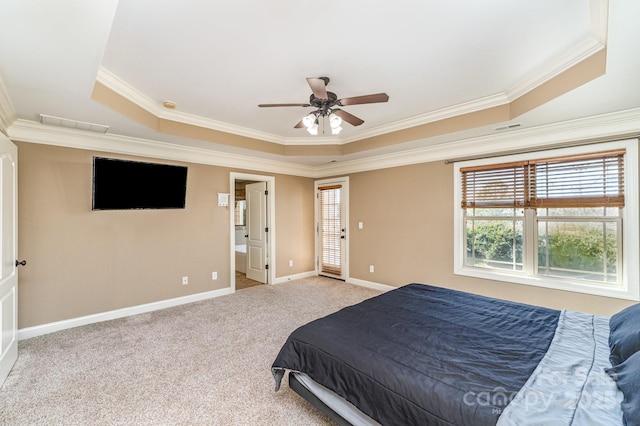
(308,120)
(313,129)
(335,121)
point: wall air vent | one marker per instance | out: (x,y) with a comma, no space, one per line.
(72,124)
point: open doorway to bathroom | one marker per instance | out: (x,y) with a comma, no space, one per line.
(252,242)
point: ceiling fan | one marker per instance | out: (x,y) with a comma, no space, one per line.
(327,105)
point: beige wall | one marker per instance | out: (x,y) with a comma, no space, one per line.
(82,262)
(407,214)
(294,225)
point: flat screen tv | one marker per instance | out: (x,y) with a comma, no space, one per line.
(127,185)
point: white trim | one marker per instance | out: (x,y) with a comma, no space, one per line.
(588,128)
(433,116)
(580,53)
(271,222)
(7,110)
(599,10)
(113,82)
(370,284)
(34,132)
(119,86)
(629,288)
(592,44)
(39,330)
(287,278)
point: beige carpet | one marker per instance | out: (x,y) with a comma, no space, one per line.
(206,363)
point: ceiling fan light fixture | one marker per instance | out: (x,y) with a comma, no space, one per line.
(335,121)
(313,130)
(326,104)
(309,120)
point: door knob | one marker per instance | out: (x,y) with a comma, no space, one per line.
(21,263)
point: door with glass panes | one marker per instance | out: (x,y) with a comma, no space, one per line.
(331,227)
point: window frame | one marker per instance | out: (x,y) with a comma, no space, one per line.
(629,286)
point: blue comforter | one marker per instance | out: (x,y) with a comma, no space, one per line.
(423,355)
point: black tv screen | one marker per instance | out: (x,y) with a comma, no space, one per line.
(126,185)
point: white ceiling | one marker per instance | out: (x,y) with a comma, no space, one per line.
(217,60)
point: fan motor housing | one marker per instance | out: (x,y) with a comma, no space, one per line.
(331,101)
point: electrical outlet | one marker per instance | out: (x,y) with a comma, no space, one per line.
(371,268)
(214,275)
(185,280)
(290,263)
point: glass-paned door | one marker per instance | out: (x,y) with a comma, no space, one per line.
(331,228)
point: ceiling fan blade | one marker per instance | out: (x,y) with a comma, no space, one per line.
(282,105)
(299,125)
(349,118)
(366,99)
(318,87)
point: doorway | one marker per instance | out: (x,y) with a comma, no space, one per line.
(252,241)
(332,220)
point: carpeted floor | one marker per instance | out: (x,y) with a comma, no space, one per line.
(206,363)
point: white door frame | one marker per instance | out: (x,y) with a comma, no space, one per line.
(271,214)
(344,200)
(8,254)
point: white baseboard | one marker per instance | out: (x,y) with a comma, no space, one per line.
(39,330)
(355,281)
(370,284)
(288,278)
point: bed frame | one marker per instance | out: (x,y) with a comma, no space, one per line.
(305,393)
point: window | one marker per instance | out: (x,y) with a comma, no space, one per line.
(565,219)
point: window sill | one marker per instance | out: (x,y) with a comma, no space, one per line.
(618,291)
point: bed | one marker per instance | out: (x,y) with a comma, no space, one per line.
(427,355)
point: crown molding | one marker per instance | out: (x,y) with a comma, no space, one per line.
(594,43)
(601,127)
(7,111)
(433,116)
(599,14)
(119,86)
(599,10)
(34,132)
(583,51)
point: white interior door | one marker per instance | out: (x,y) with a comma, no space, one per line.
(331,219)
(8,269)
(257,234)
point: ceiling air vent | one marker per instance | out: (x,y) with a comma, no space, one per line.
(72,124)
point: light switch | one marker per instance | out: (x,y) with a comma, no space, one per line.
(360,225)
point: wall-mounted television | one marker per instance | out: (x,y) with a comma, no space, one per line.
(127,185)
